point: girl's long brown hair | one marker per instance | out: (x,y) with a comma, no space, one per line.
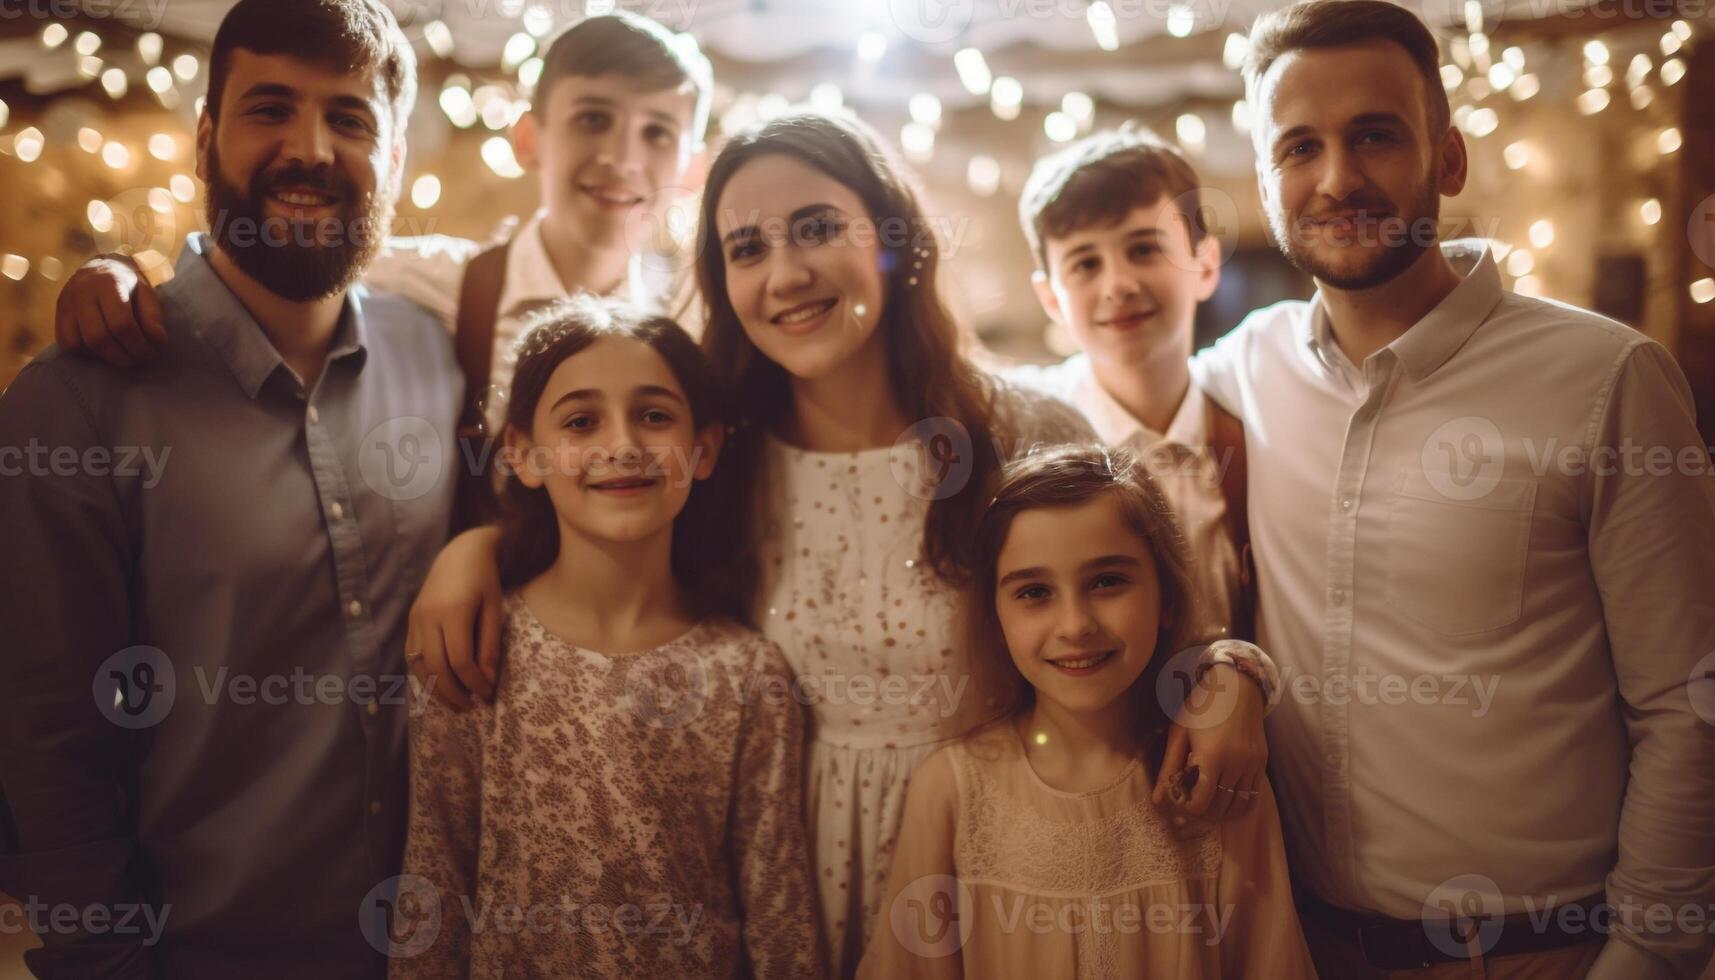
(1067,476)
(707,545)
(928,375)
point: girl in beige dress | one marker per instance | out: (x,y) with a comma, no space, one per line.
(1031,847)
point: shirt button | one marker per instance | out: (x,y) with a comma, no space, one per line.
(374,709)
(314,416)
(1339,596)
(335,511)
(1346,504)
(355,608)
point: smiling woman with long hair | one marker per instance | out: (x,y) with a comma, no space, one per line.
(870,440)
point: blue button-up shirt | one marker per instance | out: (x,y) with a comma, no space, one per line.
(203,699)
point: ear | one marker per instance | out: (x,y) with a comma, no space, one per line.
(1452,162)
(525,136)
(708,449)
(1207,259)
(205,138)
(517,453)
(397,164)
(1045,296)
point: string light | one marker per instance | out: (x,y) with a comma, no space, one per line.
(1516,155)
(159,79)
(115,155)
(1006,96)
(1079,106)
(100,216)
(425,191)
(1103,25)
(983,175)
(5,112)
(1513,57)
(530,73)
(1528,286)
(149,47)
(28,144)
(163,147)
(51,269)
(1593,101)
(87,43)
(1242,116)
(1668,140)
(973,71)
(456,103)
(186,67)
(1702,291)
(918,141)
(1650,211)
(1642,97)
(1502,76)
(1520,262)
(1526,86)
(1191,130)
(183,188)
(89,66)
(538,20)
(827,97)
(1595,52)
(1481,122)
(1672,70)
(160,200)
(90,140)
(114,81)
(14,267)
(1598,76)
(1670,43)
(1542,233)
(54,35)
(925,109)
(1451,77)
(1060,127)
(871,46)
(497,153)
(518,47)
(1181,21)
(440,38)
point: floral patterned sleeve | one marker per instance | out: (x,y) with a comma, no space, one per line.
(782,928)
(441,845)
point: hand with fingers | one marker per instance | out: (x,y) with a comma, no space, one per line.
(108,309)
(452,637)
(1216,751)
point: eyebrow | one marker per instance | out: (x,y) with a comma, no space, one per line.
(807,211)
(1106,561)
(1130,235)
(1356,122)
(603,102)
(590,394)
(276,90)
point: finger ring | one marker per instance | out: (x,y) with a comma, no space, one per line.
(412,656)
(1227,788)
(1247,794)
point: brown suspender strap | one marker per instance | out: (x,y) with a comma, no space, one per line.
(474,502)
(1227,441)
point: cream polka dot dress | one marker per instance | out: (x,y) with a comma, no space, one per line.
(870,633)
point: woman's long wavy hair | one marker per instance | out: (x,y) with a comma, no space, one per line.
(706,543)
(1067,476)
(928,374)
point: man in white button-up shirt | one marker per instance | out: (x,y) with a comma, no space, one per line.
(1485,534)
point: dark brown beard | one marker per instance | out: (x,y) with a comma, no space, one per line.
(298,261)
(1417,226)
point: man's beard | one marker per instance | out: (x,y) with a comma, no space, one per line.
(1403,236)
(304,260)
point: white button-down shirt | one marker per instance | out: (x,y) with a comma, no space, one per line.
(1486,559)
(1180,459)
(429,271)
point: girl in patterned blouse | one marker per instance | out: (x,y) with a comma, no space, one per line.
(630,803)
(1031,847)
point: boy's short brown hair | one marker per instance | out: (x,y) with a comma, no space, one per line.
(1314,24)
(1102,178)
(623,43)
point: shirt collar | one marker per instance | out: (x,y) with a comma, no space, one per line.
(198,299)
(532,282)
(1115,425)
(1431,341)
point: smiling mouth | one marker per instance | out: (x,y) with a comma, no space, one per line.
(1084,663)
(803,313)
(626,484)
(1128,319)
(611,199)
(301,198)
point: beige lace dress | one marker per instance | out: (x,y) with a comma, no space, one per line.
(999,875)
(870,632)
(627,816)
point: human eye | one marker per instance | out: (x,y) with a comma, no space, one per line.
(580,421)
(744,248)
(593,120)
(1031,592)
(271,111)
(817,230)
(656,416)
(1109,581)
(660,136)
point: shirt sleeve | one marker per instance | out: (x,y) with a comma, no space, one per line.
(66,603)
(427,270)
(782,928)
(923,878)
(1262,940)
(1651,525)
(430,928)
(1215,369)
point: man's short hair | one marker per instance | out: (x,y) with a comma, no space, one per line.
(1102,178)
(343,35)
(625,44)
(1336,23)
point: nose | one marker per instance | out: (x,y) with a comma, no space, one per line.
(787,271)
(1341,175)
(618,149)
(1119,281)
(308,141)
(1077,621)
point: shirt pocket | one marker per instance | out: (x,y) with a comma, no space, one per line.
(1457,566)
